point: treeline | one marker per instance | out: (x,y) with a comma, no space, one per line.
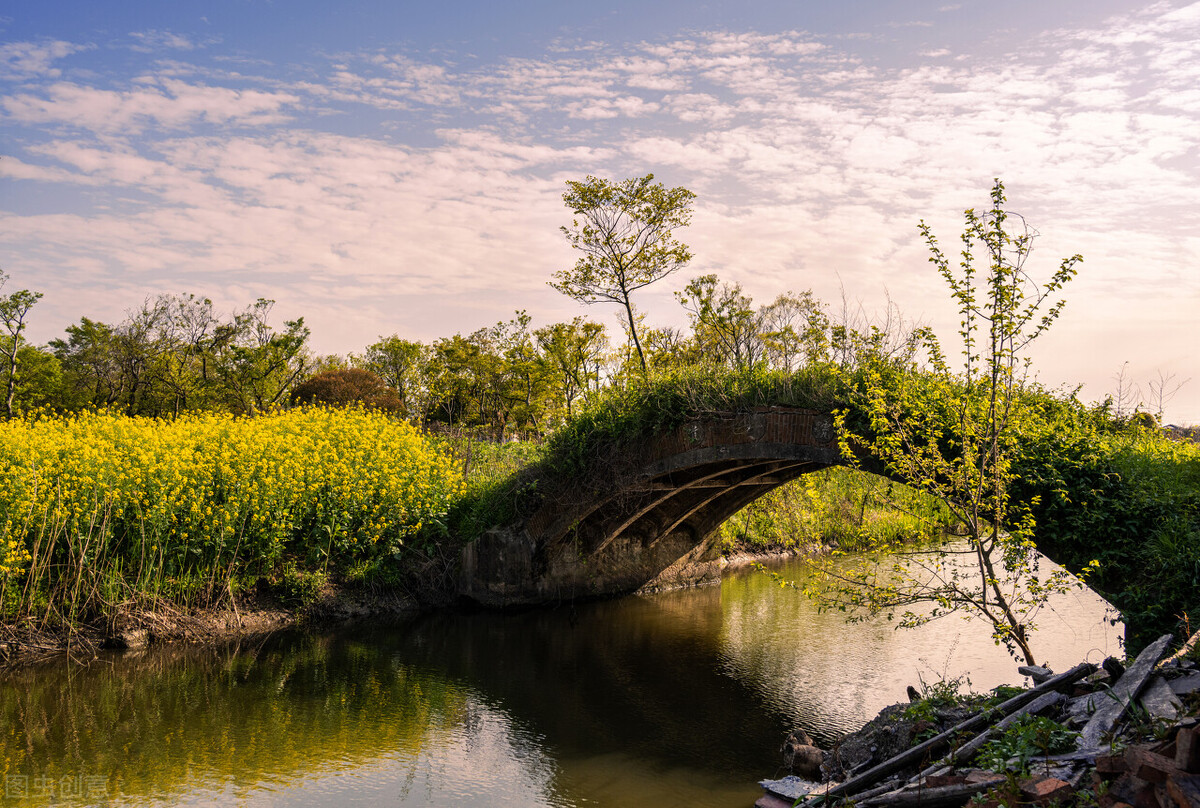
(176,354)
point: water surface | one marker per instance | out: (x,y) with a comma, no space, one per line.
(674,699)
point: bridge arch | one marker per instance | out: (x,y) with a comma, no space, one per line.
(647,517)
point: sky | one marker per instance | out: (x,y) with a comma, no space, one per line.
(398,167)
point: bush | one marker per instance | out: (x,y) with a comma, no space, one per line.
(339,388)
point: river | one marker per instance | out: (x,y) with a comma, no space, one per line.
(676,699)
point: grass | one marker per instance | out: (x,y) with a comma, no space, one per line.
(837,507)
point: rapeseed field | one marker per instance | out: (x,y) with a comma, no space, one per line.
(99,509)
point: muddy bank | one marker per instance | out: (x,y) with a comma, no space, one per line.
(243,617)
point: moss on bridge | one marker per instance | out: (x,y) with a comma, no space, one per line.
(1100,489)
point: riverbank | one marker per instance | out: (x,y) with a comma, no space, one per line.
(254,614)
(1106,736)
(271,607)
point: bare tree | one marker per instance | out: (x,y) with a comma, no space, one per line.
(1162,390)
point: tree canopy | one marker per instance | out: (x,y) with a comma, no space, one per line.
(625,231)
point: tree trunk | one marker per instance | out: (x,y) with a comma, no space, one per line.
(633,333)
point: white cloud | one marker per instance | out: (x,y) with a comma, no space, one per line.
(22,60)
(155,40)
(813,167)
(167,103)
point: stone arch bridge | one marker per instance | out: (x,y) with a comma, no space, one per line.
(648,521)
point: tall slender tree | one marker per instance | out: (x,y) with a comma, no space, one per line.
(952,433)
(625,231)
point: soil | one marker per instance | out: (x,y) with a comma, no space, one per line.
(249,615)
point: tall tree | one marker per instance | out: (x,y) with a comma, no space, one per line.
(404,365)
(90,370)
(625,232)
(795,330)
(952,433)
(576,352)
(14,308)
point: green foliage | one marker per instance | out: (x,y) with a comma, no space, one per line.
(945,693)
(1125,497)
(953,434)
(495,476)
(404,366)
(174,355)
(299,588)
(936,697)
(625,232)
(838,507)
(724,323)
(1028,737)
(1001,694)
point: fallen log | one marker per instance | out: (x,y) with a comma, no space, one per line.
(1183,651)
(923,750)
(967,750)
(1127,688)
(941,797)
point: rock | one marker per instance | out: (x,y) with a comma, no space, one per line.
(801,756)
(1037,673)
(1081,708)
(789,788)
(128,640)
(1188,683)
(1148,765)
(1044,790)
(1113,667)
(1160,701)
(884,736)
(798,738)
(1184,789)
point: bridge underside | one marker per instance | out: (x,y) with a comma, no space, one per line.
(649,521)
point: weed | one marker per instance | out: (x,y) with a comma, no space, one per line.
(1025,738)
(298,588)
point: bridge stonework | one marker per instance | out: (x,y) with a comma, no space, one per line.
(646,519)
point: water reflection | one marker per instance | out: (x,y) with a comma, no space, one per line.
(312,720)
(675,699)
(830,676)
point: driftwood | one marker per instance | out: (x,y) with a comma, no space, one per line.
(1110,710)
(1182,652)
(964,752)
(940,797)
(921,751)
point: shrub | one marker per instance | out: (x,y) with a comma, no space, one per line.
(340,388)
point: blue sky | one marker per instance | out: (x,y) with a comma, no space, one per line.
(398,167)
